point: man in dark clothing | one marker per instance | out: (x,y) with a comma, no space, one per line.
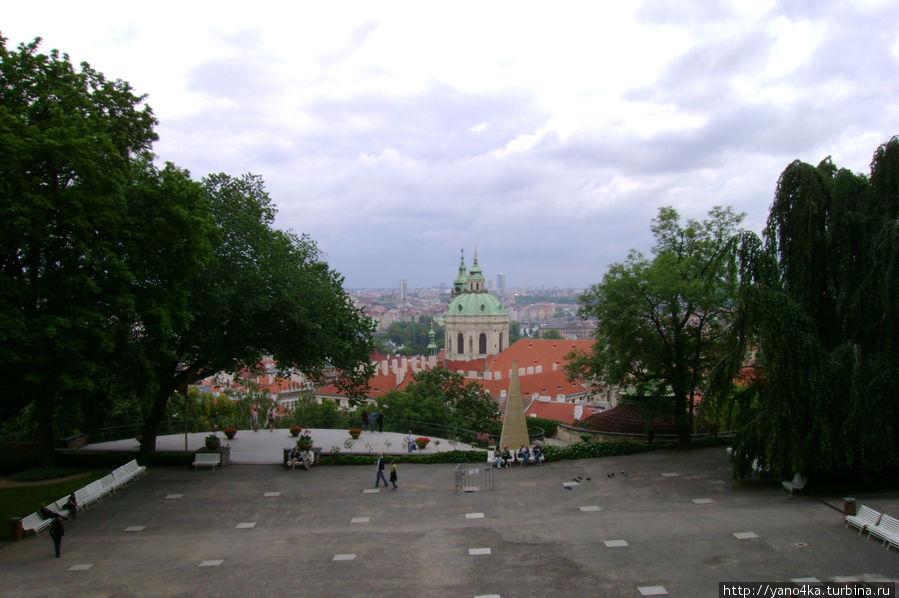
(364,419)
(56,533)
(380,421)
(381,475)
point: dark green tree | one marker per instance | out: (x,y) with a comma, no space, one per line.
(818,300)
(264,292)
(67,140)
(443,398)
(412,338)
(661,321)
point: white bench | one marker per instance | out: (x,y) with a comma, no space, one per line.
(865,518)
(887,529)
(35,523)
(207,460)
(797,484)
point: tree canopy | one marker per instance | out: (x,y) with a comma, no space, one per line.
(411,338)
(661,321)
(122,282)
(818,301)
(67,141)
(443,398)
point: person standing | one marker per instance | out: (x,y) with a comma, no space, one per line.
(364,419)
(393,474)
(254,417)
(410,442)
(380,422)
(56,533)
(270,419)
(380,475)
(371,421)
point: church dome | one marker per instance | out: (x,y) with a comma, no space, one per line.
(475,304)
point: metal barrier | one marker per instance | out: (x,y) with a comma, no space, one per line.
(472,477)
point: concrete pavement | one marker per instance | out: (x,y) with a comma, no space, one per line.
(665,521)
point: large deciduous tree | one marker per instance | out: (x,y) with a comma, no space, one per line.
(264,292)
(67,139)
(820,301)
(661,321)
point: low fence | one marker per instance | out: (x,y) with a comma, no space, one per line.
(471,477)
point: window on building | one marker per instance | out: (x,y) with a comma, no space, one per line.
(460,345)
(482,344)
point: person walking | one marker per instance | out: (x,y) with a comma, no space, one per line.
(254,417)
(380,422)
(393,474)
(270,419)
(56,533)
(364,419)
(380,475)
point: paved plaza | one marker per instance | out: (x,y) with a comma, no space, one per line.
(666,523)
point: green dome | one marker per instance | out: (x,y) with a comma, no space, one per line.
(475,304)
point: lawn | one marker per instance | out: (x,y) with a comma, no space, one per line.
(24,500)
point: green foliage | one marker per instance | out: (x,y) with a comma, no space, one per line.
(662,320)
(551,333)
(539,424)
(310,414)
(413,337)
(67,141)
(594,450)
(819,300)
(22,501)
(514,332)
(442,457)
(441,398)
(43,473)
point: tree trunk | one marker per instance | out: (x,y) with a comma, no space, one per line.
(151,425)
(46,404)
(681,419)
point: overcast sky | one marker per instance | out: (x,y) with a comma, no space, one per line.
(546,134)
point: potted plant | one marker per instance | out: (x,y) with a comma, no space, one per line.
(422,442)
(295,430)
(213,442)
(304,442)
(355,432)
(230,432)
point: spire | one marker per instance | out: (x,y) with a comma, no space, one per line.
(515,428)
(461,278)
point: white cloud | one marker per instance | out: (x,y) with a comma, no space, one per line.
(394,133)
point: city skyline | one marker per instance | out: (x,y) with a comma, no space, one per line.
(396,134)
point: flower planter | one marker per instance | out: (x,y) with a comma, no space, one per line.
(355,432)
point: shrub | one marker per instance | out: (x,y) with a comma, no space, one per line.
(548,426)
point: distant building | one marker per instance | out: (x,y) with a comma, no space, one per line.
(501,281)
(403,289)
(477,323)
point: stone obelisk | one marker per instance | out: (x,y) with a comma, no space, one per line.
(515,429)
